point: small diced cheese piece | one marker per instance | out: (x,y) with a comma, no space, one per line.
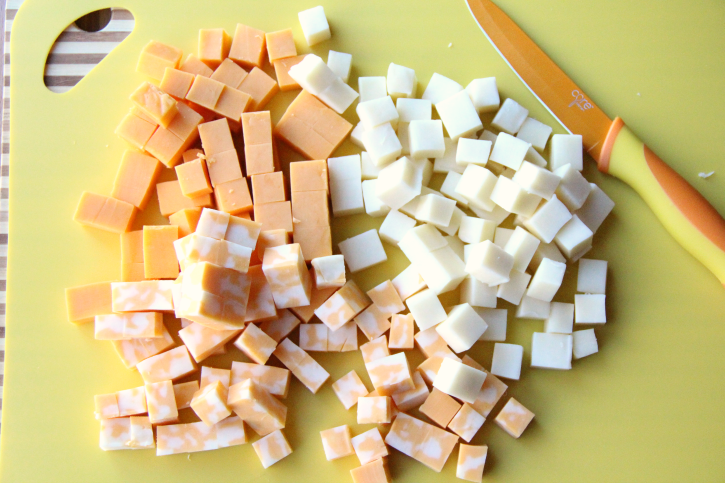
(313,337)
(459,380)
(514,418)
(132,351)
(484,94)
(369,446)
(566,149)
(155,103)
(440,407)
(272,447)
(136,130)
(141,433)
(432,345)
(447,162)
(412,398)
(161,402)
(223,167)
(105,213)
(372,88)
(337,442)
(214,46)
(459,115)
(531,308)
(514,289)
(314,25)
(216,137)
(521,246)
(205,92)
(386,298)
(496,320)
(435,209)
(185,438)
(248,46)
(401,81)
(514,199)
(462,328)
(509,151)
(203,341)
(574,239)
(343,306)
(176,82)
(413,109)
(373,410)
(168,365)
(287,275)
(477,294)
(573,188)
(329,271)
(280,45)
(590,309)
(194,178)
(274,380)
(381,143)
(592,276)
(230,432)
(375,471)
(376,112)
(476,186)
(466,422)
(595,209)
(274,216)
(255,344)
(476,230)
(369,170)
(547,280)
(373,322)
(426,443)
(395,226)
(408,282)
(345,185)
(343,339)
(448,188)
(426,308)
(390,374)
(242,232)
(115,434)
(132,401)
(158,249)
(304,367)
(349,388)
(257,407)
(340,64)
(440,88)
(398,183)
(260,87)
(84,302)
(489,264)
(507,360)
(363,251)
(497,214)
(312,175)
(473,151)
(561,318)
(194,66)
(502,236)
(281,70)
(129,326)
(471,461)
(375,349)
(401,331)
(184,393)
(548,219)
(426,139)
(268,187)
(210,375)
(210,403)
(373,206)
(537,180)
(136,178)
(231,75)
(257,130)
(585,343)
(537,134)
(510,117)
(150,295)
(551,351)
(155,57)
(106,406)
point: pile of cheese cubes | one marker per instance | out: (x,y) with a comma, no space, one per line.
(246,268)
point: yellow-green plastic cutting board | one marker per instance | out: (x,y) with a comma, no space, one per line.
(650,406)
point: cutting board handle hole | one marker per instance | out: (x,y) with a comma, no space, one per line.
(83,45)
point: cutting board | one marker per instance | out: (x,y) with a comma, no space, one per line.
(647,407)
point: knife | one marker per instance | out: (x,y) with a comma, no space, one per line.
(683,211)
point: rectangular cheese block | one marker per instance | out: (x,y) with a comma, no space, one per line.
(84,302)
(248,46)
(168,365)
(274,380)
(287,275)
(132,401)
(171,199)
(203,341)
(349,388)
(135,178)
(304,367)
(260,86)
(258,408)
(161,402)
(150,295)
(422,441)
(158,248)
(138,325)
(104,212)
(261,303)
(185,438)
(272,448)
(155,57)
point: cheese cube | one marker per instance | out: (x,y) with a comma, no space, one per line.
(231,75)
(531,308)
(398,183)
(514,289)
(476,187)
(141,433)
(230,432)
(168,365)
(214,46)
(312,175)
(408,282)
(315,76)
(547,280)
(462,328)
(132,351)
(274,380)
(363,251)
(248,46)
(471,461)
(514,418)
(210,375)
(105,213)
(155,103)
(373,322)
(473,151)
(329,271)
(304,367)
(194,178)
(507,360)
(260,87)
(345,185)
(287,275)
(561,318)
(489,263)
(342,306)
(440,407)
(106,406)
(374,350)
(202,341)
(381,143)
(496,320)
(429,368)
(185,438)
(375,471)
(521,246)
(336,442)
(426,308)
(590,309)
(459,380)
(194,66)
(272,447)
(129,326)
(280,45)
(477,294)
(548,219)
(592,276)
(502,236)
(509,151)
(136,129)
(260,410)
(476,230)
(151,295)
(274,216)
(466,422)
(224,167)
(374,410)
(551,351)
(440,88)
(210,403)
(135,178)
(585,343)
(484,94)
(340,64)
(161,402)
(184,393)
(314,25)
(215,296)
(390,374)
(435,209)
(395,226)
(386,298)
(369,170)
(373,206)
(313,337)
(268,187)
(205,92)
(115,434)
(458,114)
(566,149)
(401,81)
(155,57)
(84,302)
(369,446)
(536,133)
(131,401)
(510,117)
(281,70)
(595,209)
(546,250)
(574,239)
(376,112)
(537,180)
(497,214)
(371,88)
(573,189)
(432,345)
(255,344)
(514,199)
(349,388)
(426,139)
(401,331)
(270,238)
(158,248)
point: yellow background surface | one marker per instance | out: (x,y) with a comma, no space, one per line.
(648,407)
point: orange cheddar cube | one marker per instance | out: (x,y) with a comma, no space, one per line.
(471,461)
(274,216)
(214,46)
(205,92)
(373,410)
(424,442)
(210,375)
(216,137)
(248,46)
(185,125)
(184,393)
(161,402)
(105,213)
(233,196)
(375,349)
(375,471)
(232,103)
(369,446)
(193,154)
(224,167)
(401,332)
(272,448)
(132,401)
(440,407)
(343,306)
(168,365)
(261,303)
(373,322)
(268,188)
(309,176)
(412,398)
(229,74)
(166,147)
(260,86)
(311,207)
(313,337)
(514,418)
(185,438)
(301,365)
(288,276)
(280,45)
(194,66)
(203,341)
(255,344)
(156,57)
(256,129)
(193,178)
(336,442)
(210,403)
(466,422)
(318,296)
(84,302)
(315,240)
(176,82)
(259,158)
(281,70)
(158,250)
(280,327)
(171,199)
(258,408)
(135,130)
(349,388)
(155,103)
(106,406)
(132,272)
(274,380)
(186,219)
(386,298)
(390,374)
(135,178)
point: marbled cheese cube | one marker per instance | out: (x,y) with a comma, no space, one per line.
(230,432)
(462,328)
(115,434)
(275,380)
(349,388)
(374,472)
(313,337)
(408,282)
(551,351)
(369,446)
(272,447)
(336,442)
(431,344)
(412,398)
(287,274)
(591,278)
(203,341)
(255,344)
(507,360)
(590,309)
(213,224)
(343,306)
(471,461)
(304,367)
(282,326)
(161,402)
(329,271)
(459,115)
(106,406)
(210,403)
(260,410)
(141,433)
(466,422)
(510,117)
(459,380)
(585,343)
(514,418)
(210,375)
(373,410)
(401,331)
(131,401)
(440,88)
(261,303)
(168,365)
(149,295)
(547,280)
(390,374)
(184,393)
(343,339)
(185,438)
(430,445)
(440,408)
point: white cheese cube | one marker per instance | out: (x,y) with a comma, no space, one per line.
(340,63)
(521,245)
(426,309)
(462,328)
(477,294)
(363,251)
(497,215)
(447,162)
(595,209)
(448,188)
(573,188)
(426,139)
(547,280)
(533,157)
(458,115)
(442,270)
(346,197)
(509,151)
(561,318)
(356,135)
(531,308)
(507,360)
(585,343)
(566,149)
(551,351)
(510,117)
(408,282)
(548,219)
(546,250)
(402,81)
(312,74)
(484,94)
(476,230)
(421,239)
(373,206)
(368,169)
(476,186)
(398,183)
(487,135)
(592,276)
(344,167)
(395,226)
(502,236)
(574,238)
(535,133)
(496,320)
(314,25)
(439,88)
(413,109)
(452,228)
(338,95)
(377,112)
(473,151)
(382,144)
(459,380)
(425,168)
(371,88)
(590,309)
(403,132)
(514,289)
(329,271)
(513,198)
(435,209)
(456,245)
(537,180)
(489,263)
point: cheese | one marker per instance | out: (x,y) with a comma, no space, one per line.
(369,446)
(573,188)
(281,70)
(363,251)
(431,344)
(484,94)
(478,294)
(186,219)
(106,406)
(231,75)
(248,46)
(210,375)
(136,130)
(373,410)
(440,88)
(462,328)
(255,344)
(426,309)
(308,176)
(194,66)
(159,256)
(395,226)
(105,213)
(287,274)
(592,276)
(280,45)
(84,302)
(261,303)
(590,309)
(408,282)
(141,433)
(375,471)
(373,322)
(129,326)
(168,365)
(313,337)
(203,341)
(507,360)
(184,393)
(329,271)
(574,239)
(336,442)
(471,461)
(214,46)
(459,380)
(566,149)
(210,403)
(390,374)
(272,448)
(459,115)
(419,440)
(155,103)
(274,380)
(547,280)
(150,295)
(176,82)
(259,410)
(513,198)
(161,402)
(585,343)
(135,178)
(132,401)
(401,331)
(375,349)
(510,117)
(340,63)
(194,178)
(115,434)
(440,407)
(514,418)
(304,367)
(260,86)
(349,388)
(185,438)
(342,306)
(155,57)
(132,351)
(268,188)
(595,209)
(466,422)
(412,398)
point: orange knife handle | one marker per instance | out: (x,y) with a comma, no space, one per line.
(683,211)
